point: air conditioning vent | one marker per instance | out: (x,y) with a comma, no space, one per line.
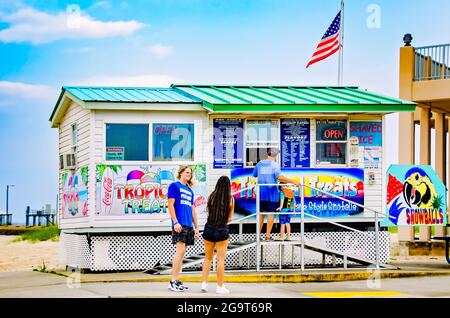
(67,161)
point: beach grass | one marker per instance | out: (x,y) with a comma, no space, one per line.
(40,234)
(394,229)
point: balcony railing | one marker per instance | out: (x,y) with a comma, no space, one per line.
(432,62)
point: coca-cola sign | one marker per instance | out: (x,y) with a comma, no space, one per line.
(133,191)
(107,191)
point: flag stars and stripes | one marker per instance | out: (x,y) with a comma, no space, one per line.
(329,44)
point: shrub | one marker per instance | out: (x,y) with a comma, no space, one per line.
(41,234)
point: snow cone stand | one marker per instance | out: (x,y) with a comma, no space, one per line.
(120,148)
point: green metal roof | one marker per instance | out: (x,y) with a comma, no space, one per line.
(130,94)
(235,99)
(225,98)
(140,97)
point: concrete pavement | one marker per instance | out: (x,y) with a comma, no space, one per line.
(415,277)
(407,267)
(43,285)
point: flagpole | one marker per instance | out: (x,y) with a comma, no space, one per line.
(341,46)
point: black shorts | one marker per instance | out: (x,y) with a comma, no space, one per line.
(212,233)
(185,236)
(268,206)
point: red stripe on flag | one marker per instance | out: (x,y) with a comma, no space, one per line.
(327,48)
(322,57)
(330,39)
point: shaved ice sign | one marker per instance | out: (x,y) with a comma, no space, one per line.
(415,196)
(142,190)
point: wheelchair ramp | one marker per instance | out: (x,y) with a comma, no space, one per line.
(344,255)
(198,258)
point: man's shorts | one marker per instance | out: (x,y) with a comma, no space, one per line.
(268,206)
(185,236)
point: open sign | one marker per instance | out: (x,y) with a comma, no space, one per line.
(334,134)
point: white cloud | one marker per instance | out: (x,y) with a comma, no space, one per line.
(16,94)
(145,80)
(25,91)
(37,27)
(103,4)
(160,51)
(10,5)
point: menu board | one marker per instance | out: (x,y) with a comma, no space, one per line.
(295,143)
(228,143)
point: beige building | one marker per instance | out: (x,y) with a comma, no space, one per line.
(425,79)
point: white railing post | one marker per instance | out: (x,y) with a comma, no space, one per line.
(302,225)
(377,243)
(240,241)
(258,247)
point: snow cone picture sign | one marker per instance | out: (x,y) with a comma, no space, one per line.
(415,196)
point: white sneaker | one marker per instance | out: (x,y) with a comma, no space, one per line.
(204,287)
(222,290)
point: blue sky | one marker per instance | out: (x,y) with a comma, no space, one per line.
(46,44)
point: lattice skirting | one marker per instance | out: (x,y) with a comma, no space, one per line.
(141,252)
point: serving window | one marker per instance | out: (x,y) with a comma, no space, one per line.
(331,142)
(173,142)
(260,135)
(134,142)
(127,142)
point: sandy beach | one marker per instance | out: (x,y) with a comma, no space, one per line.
(23,255)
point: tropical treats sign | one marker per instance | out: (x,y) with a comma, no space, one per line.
(415,196)
(142,190)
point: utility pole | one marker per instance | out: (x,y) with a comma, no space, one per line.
(7,196)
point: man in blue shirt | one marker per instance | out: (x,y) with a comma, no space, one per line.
(182,211)
(268,172)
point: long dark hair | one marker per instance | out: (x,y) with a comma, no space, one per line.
(219,202)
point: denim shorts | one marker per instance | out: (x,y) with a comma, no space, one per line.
(212,233)
(185,236)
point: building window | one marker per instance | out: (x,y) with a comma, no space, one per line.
(127,142)
(260,135)
(74,134)
(173,142)
(331,142)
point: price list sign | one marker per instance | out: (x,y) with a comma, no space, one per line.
(295,143)
(228,143)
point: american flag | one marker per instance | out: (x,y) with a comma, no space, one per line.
(329,44)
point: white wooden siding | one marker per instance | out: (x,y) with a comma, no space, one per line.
(75,114)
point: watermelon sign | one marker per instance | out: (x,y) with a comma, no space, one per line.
(415,196)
